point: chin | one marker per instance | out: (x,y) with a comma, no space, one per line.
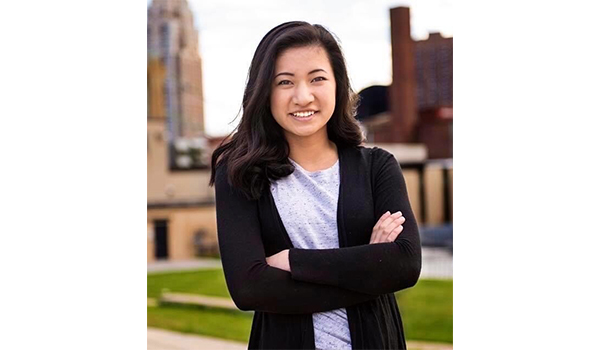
(304,133)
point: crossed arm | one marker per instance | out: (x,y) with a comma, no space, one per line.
(391,262)
(320,280)
(252,283)
(386,230)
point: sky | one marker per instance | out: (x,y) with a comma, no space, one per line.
(229,31)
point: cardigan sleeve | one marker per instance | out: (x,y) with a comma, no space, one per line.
(373,268)
(252,283)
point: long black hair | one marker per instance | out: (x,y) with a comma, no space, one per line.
(257,151)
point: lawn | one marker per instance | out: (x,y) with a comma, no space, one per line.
(426,308)
(196,320)
(206,282)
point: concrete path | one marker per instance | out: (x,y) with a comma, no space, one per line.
(160,339)
(186,265)
(437,263)
(195,299)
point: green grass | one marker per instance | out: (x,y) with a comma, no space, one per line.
(205,282)
(426,308)
(212,322)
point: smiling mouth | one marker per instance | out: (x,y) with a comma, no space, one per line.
(301,115)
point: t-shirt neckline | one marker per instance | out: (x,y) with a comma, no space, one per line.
(316,171)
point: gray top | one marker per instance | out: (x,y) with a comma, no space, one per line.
(307,203)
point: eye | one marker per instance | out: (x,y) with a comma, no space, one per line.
(284,82)
(319,79)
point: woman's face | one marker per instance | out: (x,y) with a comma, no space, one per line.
(303,92)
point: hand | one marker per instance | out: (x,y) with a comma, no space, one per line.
(280,260)
(387,228)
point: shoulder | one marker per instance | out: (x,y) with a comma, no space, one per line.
(221,176)
(372,155)
(373,160)
(224,188)
(220,169)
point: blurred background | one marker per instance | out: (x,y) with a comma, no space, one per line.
(399,56)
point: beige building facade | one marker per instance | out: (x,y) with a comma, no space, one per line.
(181,212)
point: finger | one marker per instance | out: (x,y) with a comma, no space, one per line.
(389,224)
(385,215)
(379,233)
(394,224)
(394,234)
(390,219)
(399,221)
(377,226)
(391,227)
(390,235)
(385,228)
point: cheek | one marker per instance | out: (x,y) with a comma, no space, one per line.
(327,94)
(277,101)
(277,108)
(272,100)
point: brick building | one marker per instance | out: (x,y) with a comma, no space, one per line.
(417,106)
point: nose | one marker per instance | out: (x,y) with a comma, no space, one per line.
(303,95)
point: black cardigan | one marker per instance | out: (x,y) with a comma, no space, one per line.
(358,276)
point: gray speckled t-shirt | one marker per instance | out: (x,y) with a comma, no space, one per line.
(307,203)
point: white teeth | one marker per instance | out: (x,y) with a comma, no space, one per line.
(304,114)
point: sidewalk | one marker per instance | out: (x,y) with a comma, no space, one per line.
(186,265)
(437,263)
(160,339)
(196,299)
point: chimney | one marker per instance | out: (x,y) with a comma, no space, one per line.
(402,92)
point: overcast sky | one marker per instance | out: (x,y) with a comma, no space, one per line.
(230,30)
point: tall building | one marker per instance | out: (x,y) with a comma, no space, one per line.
(174,69)
(181,212)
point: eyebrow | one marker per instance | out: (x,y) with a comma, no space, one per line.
(309,73)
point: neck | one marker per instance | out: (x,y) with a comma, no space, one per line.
(313,153)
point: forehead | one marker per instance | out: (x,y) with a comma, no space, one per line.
(302,59)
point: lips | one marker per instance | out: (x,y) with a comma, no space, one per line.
(303,115)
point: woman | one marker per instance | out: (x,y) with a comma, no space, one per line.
(315,231)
